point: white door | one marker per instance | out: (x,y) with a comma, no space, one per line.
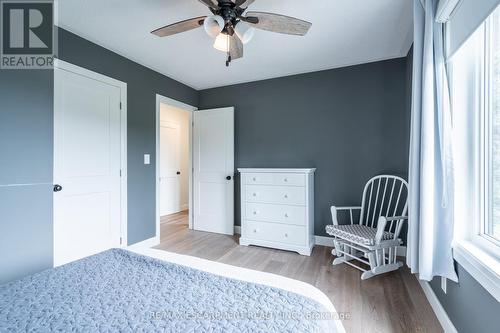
(86,165)
(169,167)
(213,163)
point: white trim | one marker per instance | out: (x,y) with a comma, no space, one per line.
(172,102)
(401,252)
(438,309)
(445,10)
(123,165)
(145,244)
(484,268)
(472,249)
(184,207)
(63,65)
(252,170)
(323,241)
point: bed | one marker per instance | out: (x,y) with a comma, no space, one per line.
(151,290)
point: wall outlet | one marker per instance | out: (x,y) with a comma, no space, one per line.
(147,159)
(443,284)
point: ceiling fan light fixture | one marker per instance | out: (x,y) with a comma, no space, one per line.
(213,25)
(244,31)
(222,42)
(231,30)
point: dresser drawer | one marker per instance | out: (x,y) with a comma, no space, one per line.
(258,178)
(275,194)
(275,213)
(274,232)
(285,179)
(291,179)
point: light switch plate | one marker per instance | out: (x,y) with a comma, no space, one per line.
(147,159)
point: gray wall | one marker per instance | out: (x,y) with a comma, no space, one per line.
(26,131)
(469,306)
(142,86)
(350,123)
(26,150)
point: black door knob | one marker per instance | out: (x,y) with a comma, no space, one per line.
(228,177)
(178,172)
(57,188)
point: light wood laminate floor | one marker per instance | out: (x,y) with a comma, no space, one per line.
(393,302)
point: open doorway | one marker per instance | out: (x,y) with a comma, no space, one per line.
(173,164)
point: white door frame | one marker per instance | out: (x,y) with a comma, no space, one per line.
(186,107)
(66,66)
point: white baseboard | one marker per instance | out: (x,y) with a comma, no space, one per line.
(323,241)
(184,207)
(440,312)
(401,252)
(146,244)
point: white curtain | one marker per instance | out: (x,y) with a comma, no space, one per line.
(430,232)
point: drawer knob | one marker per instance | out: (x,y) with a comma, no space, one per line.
(286,235)
(286,214)
(255,194)
(254,179)
(286,196)
(254,212)
(286,180)
(254,230)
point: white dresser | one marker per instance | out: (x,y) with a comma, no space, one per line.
(277,208)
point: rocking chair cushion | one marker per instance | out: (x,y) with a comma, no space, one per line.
(356,233)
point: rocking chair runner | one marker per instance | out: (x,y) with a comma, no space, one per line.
(373,239)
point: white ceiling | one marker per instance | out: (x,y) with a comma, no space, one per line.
(344,32)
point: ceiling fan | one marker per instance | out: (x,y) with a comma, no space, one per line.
(232,27)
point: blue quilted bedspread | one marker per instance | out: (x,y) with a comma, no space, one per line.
(120,291)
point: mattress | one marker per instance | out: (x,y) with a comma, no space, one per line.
(157,291)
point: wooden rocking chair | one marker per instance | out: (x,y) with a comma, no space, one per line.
(373,239)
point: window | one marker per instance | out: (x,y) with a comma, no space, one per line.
(491,227)
(476,111)
(475,94)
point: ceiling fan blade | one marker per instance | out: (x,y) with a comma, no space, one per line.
(178,27)
(210,3)
(243,3)
(278,23)
(235,47)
